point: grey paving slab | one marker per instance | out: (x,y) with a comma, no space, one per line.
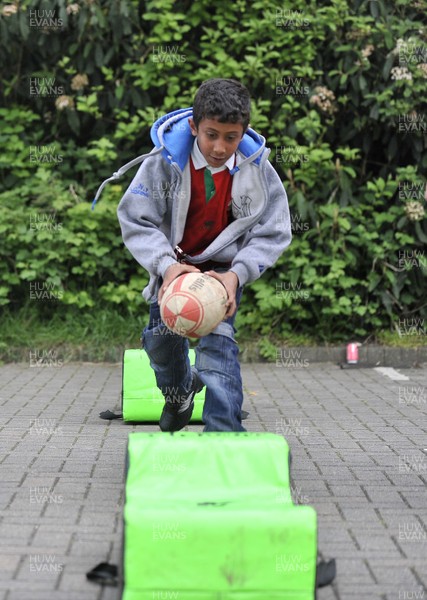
(359,456)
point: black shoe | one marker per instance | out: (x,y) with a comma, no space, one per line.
(176,415)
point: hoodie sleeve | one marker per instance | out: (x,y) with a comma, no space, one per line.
(268,238)
(144,217)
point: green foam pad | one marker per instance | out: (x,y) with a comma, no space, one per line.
(141,398)
(210,516)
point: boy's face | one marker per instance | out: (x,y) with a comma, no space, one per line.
(217,141)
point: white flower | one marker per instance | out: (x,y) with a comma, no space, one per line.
(414,210)
(324,99)
(63,102)
(399,73)
(78,82)
(423,68)
(9,9)
(367,50)
(72,9)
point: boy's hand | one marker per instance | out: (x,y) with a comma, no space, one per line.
(230,281)
(172,273)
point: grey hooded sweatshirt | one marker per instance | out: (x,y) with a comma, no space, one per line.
(153,211)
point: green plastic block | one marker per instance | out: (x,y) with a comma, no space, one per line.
(141,398)
(210,516)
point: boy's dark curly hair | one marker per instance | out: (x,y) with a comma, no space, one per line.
(224,99)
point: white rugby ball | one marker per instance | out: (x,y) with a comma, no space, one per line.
(193,304)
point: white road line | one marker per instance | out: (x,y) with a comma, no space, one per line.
(392,373)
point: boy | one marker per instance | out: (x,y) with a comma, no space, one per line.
(205,199)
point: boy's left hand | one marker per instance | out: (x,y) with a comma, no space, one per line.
(230,281)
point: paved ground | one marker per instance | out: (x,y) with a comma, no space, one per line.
(359,444)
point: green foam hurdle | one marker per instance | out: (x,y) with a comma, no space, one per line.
(141,399)
(210,516)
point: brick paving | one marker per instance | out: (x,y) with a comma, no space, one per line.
(359,446)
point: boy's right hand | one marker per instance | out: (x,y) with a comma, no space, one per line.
(172,273)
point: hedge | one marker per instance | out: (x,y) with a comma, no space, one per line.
(338,91)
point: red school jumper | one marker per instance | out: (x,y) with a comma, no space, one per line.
(206,218)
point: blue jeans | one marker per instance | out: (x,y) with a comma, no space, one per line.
(217,366)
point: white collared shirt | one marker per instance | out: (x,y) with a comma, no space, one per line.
(199,160)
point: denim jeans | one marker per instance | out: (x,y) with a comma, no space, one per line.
(217,365)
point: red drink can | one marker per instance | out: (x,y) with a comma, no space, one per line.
(352,354)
